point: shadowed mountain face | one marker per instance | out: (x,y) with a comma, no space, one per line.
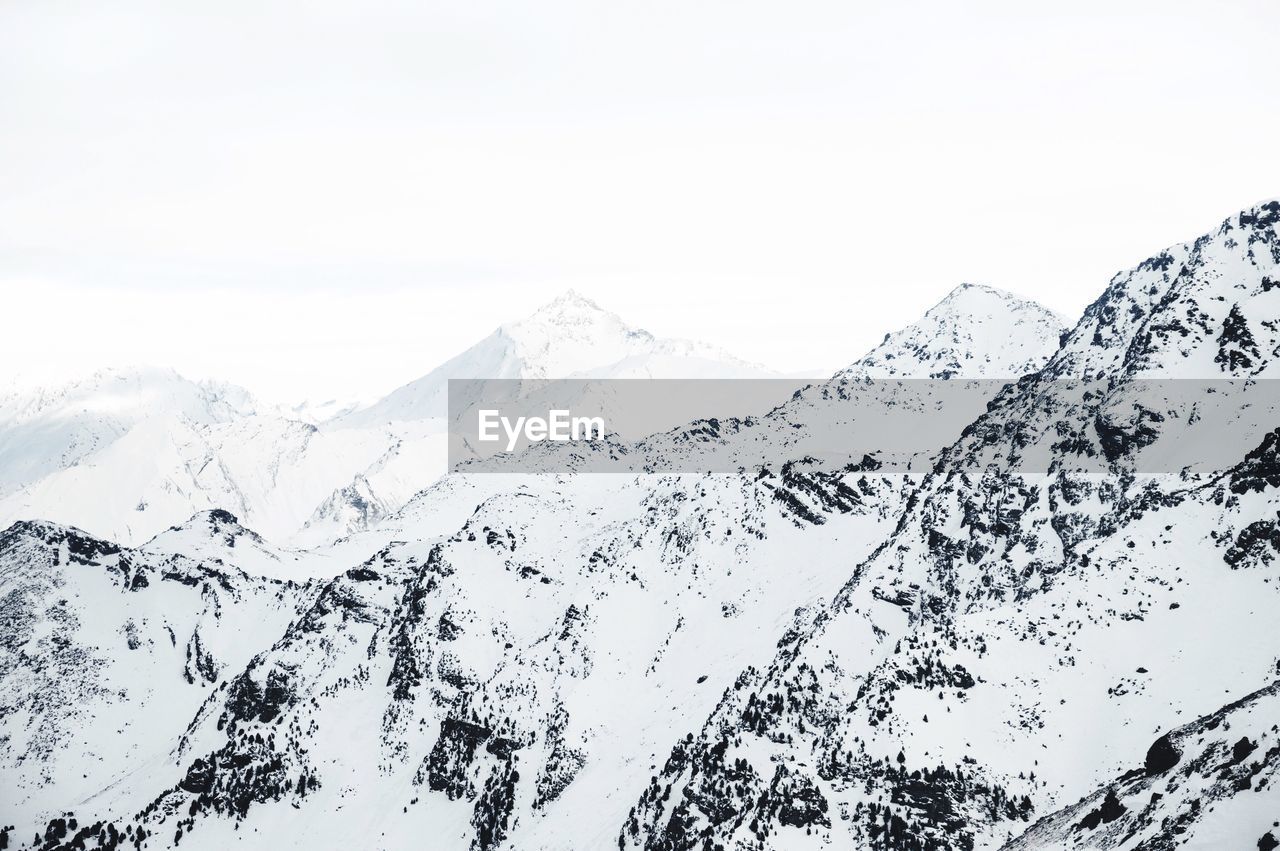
(790,657)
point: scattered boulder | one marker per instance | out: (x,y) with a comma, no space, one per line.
(1162,756)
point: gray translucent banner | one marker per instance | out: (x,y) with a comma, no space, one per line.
(892,426)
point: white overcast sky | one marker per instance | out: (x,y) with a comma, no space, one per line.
(321,199)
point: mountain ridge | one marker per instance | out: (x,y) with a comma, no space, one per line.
(791,658)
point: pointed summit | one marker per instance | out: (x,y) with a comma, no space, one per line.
(972,299)
(975,331)
(570,300)
(569,308)
(215,524)
(569,336)
(216,537)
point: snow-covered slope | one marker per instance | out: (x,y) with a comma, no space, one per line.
(107,653)
(1207,784)
(570,626)
(1020,639)
(45,430)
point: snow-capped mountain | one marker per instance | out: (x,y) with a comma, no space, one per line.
(271,471)
(787,657)
(570,336)
(603,604)
(109,652)
(217,539)
(909,397)
(1021,640)
(975,332)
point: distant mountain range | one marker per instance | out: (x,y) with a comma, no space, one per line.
(126,454)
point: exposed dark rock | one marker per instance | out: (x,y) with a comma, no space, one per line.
(1162,756)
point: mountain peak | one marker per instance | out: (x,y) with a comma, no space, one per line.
(975,331)
(216,536)
(966,286)
(968,290)
(570,299)
(569,336)
(970,299)
(571,310)
(214,523)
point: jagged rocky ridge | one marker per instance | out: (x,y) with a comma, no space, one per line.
(1018,638)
